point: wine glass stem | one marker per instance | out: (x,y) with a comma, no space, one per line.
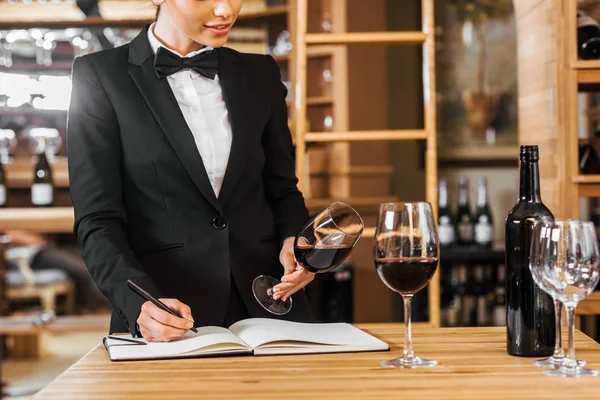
(408,350)
(558,346)
(571,361)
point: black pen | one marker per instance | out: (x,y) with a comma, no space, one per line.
(147,296)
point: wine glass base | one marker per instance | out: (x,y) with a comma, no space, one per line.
(409,362)
(571,372)
(262,288)
(553,362)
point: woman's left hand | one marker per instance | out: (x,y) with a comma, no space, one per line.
(295,277)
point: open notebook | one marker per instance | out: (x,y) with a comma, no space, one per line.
(258,336)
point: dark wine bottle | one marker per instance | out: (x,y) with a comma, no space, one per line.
(484,225)
(464,218)
(588,37)
(530,315)
(3,188)
(446,234)
(42,190)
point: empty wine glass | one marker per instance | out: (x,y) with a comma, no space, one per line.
(406,257)
(320,246)
(540,235)
(569,266)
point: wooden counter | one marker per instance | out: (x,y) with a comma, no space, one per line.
(473,365)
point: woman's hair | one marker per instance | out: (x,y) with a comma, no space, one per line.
(157,12)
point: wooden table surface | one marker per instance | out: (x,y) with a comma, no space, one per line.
(473,365)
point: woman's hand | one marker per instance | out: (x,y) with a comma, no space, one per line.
(295,277)
(157,325)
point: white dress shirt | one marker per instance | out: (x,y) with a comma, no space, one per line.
(201,102)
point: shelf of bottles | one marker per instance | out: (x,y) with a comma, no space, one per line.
(472,272)
(36,56)
(587,69)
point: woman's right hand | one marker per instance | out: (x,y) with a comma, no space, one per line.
(157,325)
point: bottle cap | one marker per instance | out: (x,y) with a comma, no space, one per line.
(529,153)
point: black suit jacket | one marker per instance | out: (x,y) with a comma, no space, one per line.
(144,206)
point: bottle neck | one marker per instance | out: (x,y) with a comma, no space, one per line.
(530,182)
(443,197)
(482,195)
(463,196)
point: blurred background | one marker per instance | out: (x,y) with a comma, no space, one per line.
(494,90)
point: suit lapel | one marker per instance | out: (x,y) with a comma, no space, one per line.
(166,110)
(234,84)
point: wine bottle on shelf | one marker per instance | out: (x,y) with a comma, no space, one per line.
(484,225)
(452,310)
(481,307)
(588,37)
(467,307)
(445,226)
(464,218)
(499,315)
(530,317)
(42,189)
(3,187)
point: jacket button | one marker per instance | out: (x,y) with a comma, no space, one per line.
(219,223)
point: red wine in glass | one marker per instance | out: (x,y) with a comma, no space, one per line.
(321,258)
(320,246)
(406,251)
(406,275)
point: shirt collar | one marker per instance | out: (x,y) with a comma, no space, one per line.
(155,44)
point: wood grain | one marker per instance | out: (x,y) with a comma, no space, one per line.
(473,366)
(366,38)
(48,220)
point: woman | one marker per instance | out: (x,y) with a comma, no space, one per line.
(182,174)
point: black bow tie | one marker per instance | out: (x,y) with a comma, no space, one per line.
(167,63)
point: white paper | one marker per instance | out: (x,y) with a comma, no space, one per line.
(210,339)
(259,332)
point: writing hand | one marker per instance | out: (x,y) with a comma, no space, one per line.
(157,325)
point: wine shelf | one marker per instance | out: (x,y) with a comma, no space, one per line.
(366,37)
(276,11)
(354,170)
(368,205)
(479,153)
(19,173)
(312,52)
(42,220)
(316,101)
(61,23)
(586,179)
(366,136)
(587,185)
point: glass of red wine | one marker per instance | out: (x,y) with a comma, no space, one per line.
(321,245)
(406,257)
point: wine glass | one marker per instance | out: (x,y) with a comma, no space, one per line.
(406,257)
(541,233)
(321,245)
(570,270)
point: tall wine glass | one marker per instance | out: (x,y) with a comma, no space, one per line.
(406,257)
(539,239)
(321,245)
(570,270)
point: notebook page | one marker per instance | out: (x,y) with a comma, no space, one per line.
(262,331)
(209,339)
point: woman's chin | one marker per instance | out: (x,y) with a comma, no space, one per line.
(214,42)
